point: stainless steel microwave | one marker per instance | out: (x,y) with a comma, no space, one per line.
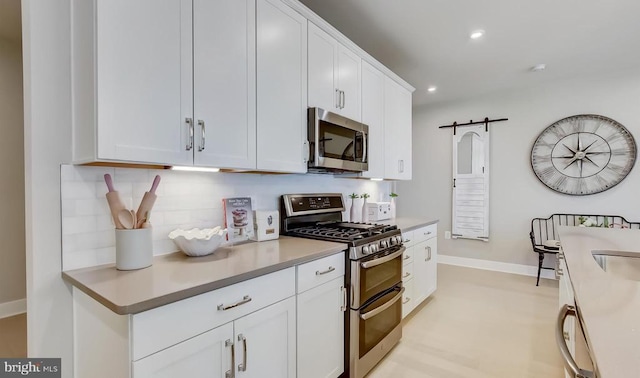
(337,144)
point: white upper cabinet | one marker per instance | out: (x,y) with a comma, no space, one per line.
(170,82)
(373,116)
(334,75)
(224,83)
(397,131)
(282,88)
(132,85)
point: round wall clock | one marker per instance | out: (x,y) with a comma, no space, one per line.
(583,154)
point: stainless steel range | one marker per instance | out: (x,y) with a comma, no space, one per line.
(374,274)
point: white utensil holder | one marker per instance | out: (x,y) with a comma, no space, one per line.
(134,249)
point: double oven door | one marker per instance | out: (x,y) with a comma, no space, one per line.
(376,309)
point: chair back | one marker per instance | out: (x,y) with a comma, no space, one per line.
(543,229)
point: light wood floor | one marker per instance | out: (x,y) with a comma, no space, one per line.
(479,324)
(13,336)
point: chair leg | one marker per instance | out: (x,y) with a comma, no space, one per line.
(540,260)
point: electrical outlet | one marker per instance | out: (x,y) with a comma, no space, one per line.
(447,234)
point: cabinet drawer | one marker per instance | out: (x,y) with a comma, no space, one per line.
(407,257)
(168,325)
(408,302)
(319,271)
(425,233)
(407,239)
(407,272)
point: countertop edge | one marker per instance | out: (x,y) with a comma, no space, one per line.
(176,296)
(419,225)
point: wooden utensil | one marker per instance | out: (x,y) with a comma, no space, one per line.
(127,218)
(114,201)
(147,202)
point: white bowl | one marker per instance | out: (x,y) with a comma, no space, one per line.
(197,242)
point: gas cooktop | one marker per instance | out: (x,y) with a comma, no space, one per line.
(319,216)
(342,231)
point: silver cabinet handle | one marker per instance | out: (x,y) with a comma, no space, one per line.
(202,128)
(406,275)
(243,365)
(372,313)
(407,257)
(406,240)
(337,98)
(229,343)
(428,253)
(329,270)
(342,99)
(189,122)
(569,363)
(400,166)
(382,260)
(406,300)
(245,299)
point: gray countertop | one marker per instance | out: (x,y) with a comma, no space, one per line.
(176,276)
(609,305)
(409,224)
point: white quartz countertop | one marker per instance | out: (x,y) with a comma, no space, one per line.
(608,304)
(409,224)
(176,276)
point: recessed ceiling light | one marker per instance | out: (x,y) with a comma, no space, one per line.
(194,169)
(432,88)
(477,34)
(539,67)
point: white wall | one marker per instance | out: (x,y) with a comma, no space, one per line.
(185,200)
(12,252)
(47,118)
(516,194)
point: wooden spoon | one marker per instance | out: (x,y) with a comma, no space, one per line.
(127,218)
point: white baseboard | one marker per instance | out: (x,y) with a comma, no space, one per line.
(13,308)
(525,270)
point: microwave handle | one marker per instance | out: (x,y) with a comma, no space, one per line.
(364,147)
(305,151)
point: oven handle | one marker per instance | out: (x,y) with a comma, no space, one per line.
(372,313)
(382,260)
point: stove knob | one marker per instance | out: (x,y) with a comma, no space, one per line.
(373,248)
(393,241)
(365,250)
(399,239)
(384,244)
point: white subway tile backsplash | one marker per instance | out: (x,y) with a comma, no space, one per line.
(185,200)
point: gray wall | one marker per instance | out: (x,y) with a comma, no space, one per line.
(12,251)
(516,195)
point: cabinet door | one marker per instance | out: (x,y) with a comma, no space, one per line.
(397,131)
(282,88)
(206,355)
(144,80)
(323,50)
(431,268)
(321,330)
(266,342)
(349,72)
(224,83)
(373,116)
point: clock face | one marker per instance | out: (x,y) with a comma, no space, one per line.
(583,154)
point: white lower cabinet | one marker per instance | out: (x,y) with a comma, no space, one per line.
(206,355)
(265,342)
(420,269)
(322,302)
(321,331)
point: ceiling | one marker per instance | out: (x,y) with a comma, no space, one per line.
(10,20)
(427,42)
